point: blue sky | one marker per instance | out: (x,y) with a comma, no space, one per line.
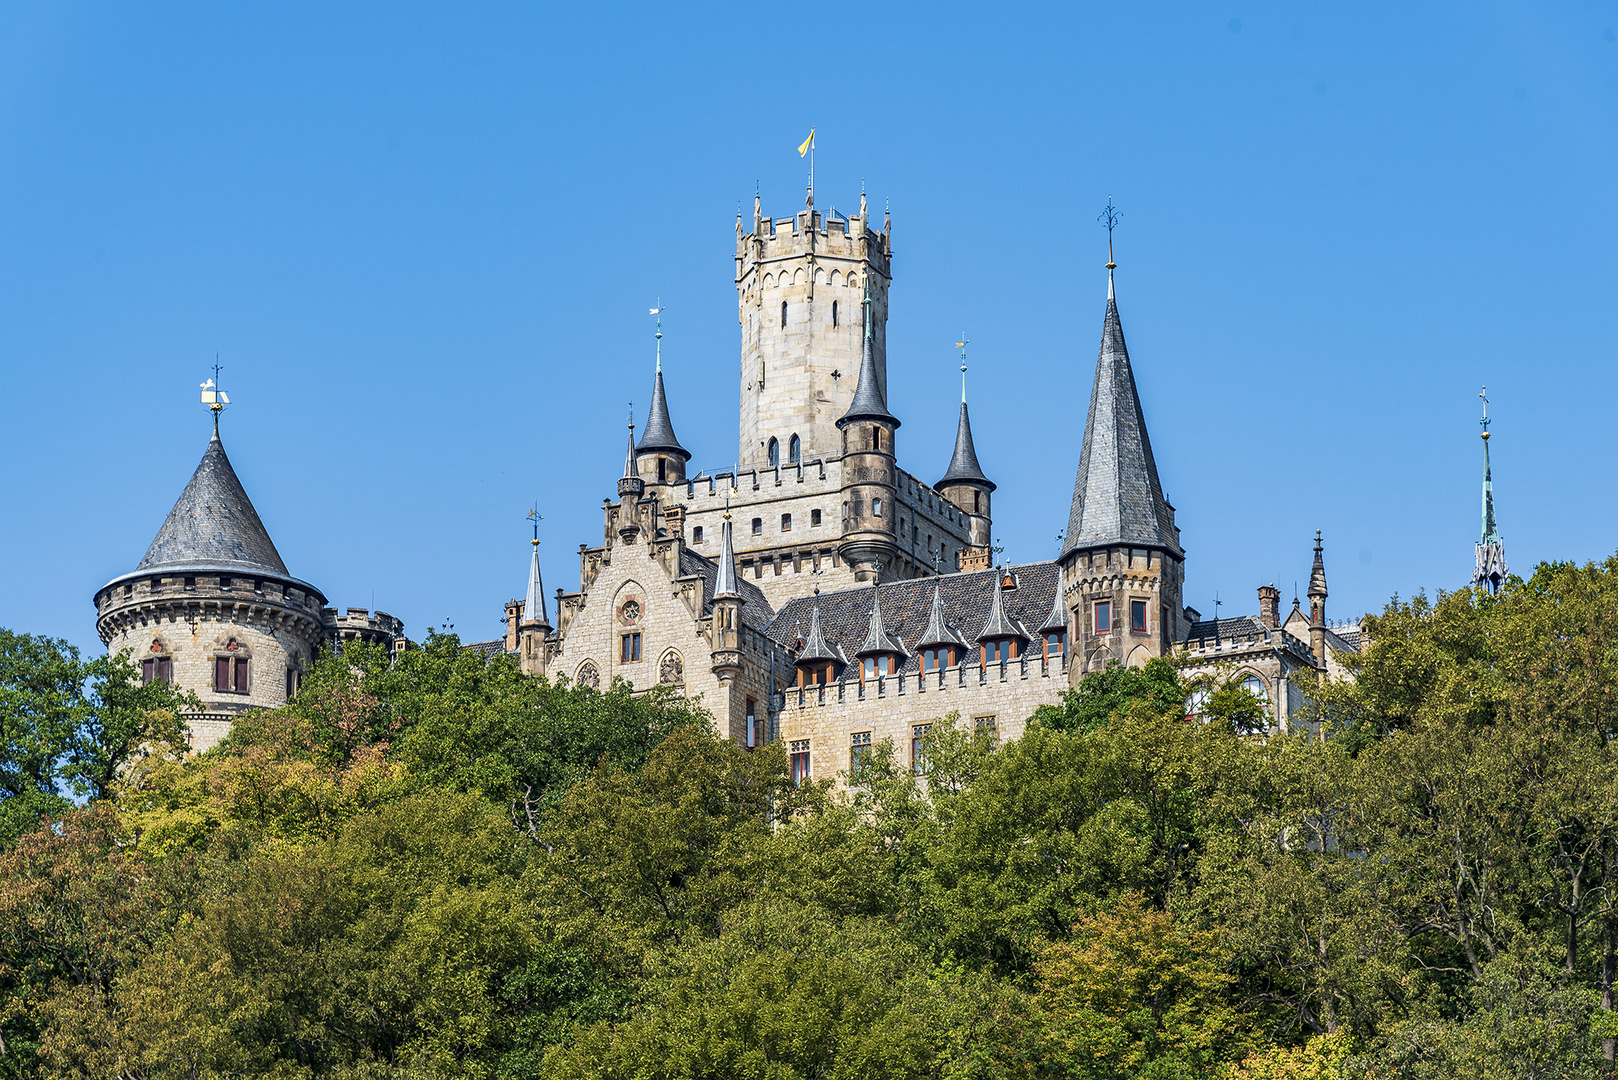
(423,239)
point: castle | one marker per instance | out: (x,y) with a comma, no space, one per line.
(817,593)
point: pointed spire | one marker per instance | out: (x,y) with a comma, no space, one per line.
(725,580)
(868,403)
(630,483)
(659,434)
(1317,575)
(1489,568)
(999,624)
(1117,497)
(533,608)
(963,464)
(213,523)
(877,638)
(814,646)
(938,631)
(1056,620)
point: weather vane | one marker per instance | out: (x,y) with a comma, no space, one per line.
(1484,394)
(536,517)
(1109,217)
(961,345)
(213,397)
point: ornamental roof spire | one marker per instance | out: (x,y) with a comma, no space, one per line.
(630,482)
(938,631)
(877,638)
(659,434)
(725,579)
(1117,497)
(533,607)
(868,403)
(963,463)
(1056,620)
(999,624)
(1317,573)
(814,645)
(1489,569)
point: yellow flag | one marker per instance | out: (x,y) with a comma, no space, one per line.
(807,143)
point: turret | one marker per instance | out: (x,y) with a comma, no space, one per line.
(881,652)
(1317,604)
(1121,551)
(869,542)
(965,485)
(725,629)
(798,286)
(659,457)
(534,624)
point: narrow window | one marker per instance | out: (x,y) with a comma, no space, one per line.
(1137,616)
(1055,645)
(696,535)
(786,522)
(629,650)
(783,314)
(165,669)
(752,723)
(241,685)
(662,470)
(1103,616)
(876,438)
(918,747)
(221,673)
(814,518)
(758,526)
(868,670)
(775,452)
(986,729)
(876,507)
(834,314)
(977,502)
(292,679)
(148,670)
(800,761)
(794,450)
(859,752)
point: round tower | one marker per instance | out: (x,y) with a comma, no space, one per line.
(211,606)
(659,457)
(799,282)
(870,540)
(965,485)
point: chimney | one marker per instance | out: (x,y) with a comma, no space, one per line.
(1269,606)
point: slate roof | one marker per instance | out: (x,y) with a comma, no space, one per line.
(878,639)
(1238,627)
(963,464)
(1117,497)
(533,609)
(868,403)
(213,525)
(846,615)
(659,433)
(938,630)
(1344,638)
(488,649)
(756,610)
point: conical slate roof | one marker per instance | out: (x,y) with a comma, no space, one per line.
(939,631)
(1117,498)
(999,624)
(1317,574)
(868,403)
(814,646)
(1056,620)
(533,607)
(213,525)
(659,433)
(725,579)
(877,638)
(963,465)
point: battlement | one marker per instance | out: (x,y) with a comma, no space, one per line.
(822,232)
(361,624)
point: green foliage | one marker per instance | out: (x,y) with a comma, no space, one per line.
(1104,694)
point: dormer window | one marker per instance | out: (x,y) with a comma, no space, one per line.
(814,673)
(1055,645)
(1000,651)
(873,666)
(937,659)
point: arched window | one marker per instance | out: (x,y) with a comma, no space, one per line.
(1255,686)
(794,450)
(783,314)
(775,452)
(834,314)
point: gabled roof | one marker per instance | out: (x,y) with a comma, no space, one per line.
(659,433)
(877,639)
(757,614)
(1117,497)
(213,525)
(963,464)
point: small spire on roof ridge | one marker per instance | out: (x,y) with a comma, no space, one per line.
(998,624)
(725,583)
(1057,617)
(534,598)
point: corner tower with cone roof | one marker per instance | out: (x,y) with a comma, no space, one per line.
(1123,567)
(213,608)
(965,485)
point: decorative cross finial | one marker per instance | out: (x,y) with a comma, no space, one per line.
(658,311)
(730,493)
(815,573)
(631,421)
(866,303)
(1484,394)
(536,517)
(938,560)
(1109,217)
(997,549)
(961,345)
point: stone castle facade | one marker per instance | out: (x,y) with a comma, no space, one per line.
(816,593)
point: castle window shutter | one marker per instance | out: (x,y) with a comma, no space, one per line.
(165,669)
(148,670)
(221,673)
(241,675)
